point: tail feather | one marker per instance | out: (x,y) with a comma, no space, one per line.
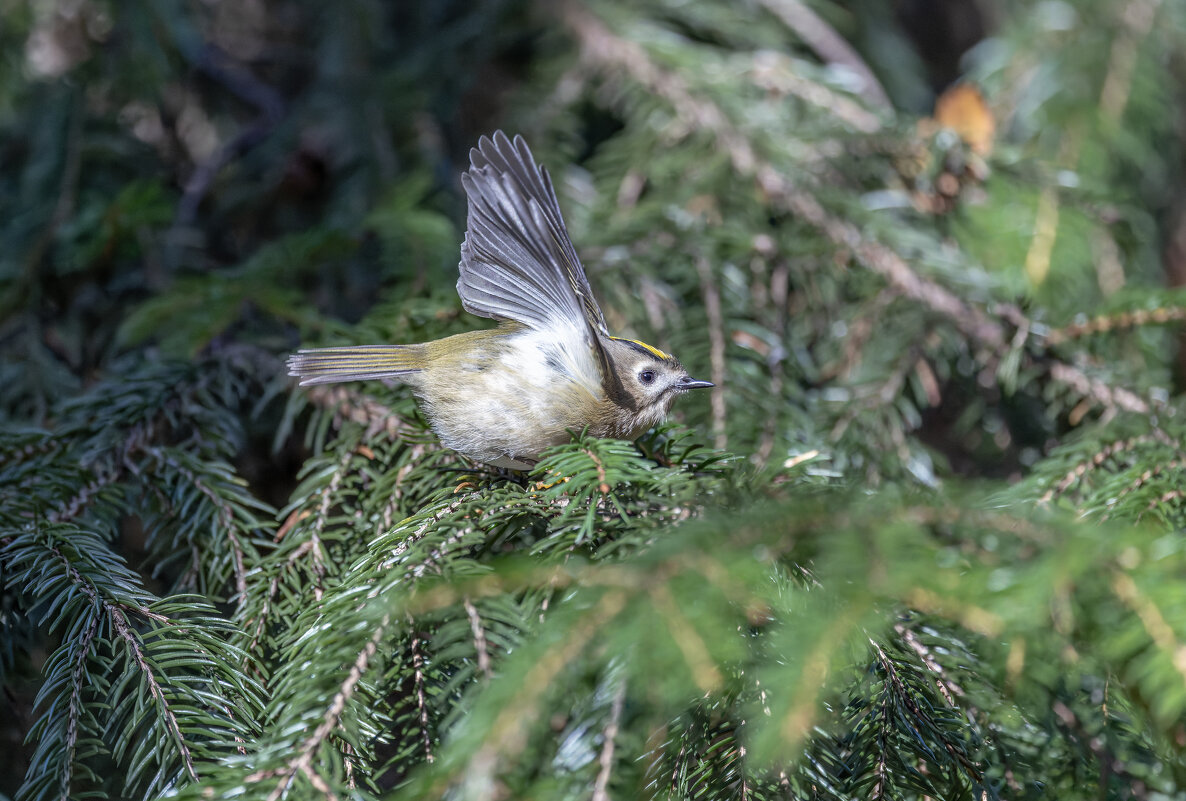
(360,363)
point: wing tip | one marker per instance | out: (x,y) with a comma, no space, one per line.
(500,151)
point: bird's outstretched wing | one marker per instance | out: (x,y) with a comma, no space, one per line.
(518,262)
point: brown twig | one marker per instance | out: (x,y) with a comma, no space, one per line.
(1108,396)
(73,507)
(602,485)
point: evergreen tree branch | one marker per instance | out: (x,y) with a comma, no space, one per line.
(1111,398)
(475,623)
(421,705)
(302,763)
(716,338)
(225,513)
(117,617)
(124,630)
(315,549)
(1106,323)
(1137,21)
(348,403)
(609,736)
(74,711)
(612,54)
(829,46)
(775,72)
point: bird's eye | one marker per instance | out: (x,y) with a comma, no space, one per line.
(647,376)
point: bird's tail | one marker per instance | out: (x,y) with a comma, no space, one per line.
(329,365)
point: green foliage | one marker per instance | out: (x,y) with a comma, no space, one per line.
(932,551)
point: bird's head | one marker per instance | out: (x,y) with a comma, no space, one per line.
(650,379)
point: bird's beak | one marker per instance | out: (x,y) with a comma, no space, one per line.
(687,382)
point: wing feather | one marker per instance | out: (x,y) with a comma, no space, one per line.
(518,261)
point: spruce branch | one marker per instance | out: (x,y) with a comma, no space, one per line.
(507,734)
(1151,616)
(328,496)
(74,711)
(175,677)
(349,404)
(1106,323)
(614,55)
(1137,20)
(115,611)
(421,705)
(1114,93)
(1174,465)
(225,512)
(775,72)
(74,506)
(920,717)
(947,688)
(829,46)
(691,645)
(1113,399)
(716,338)
(133,643)
(1162,500)
(609,52)
(423,636)
(302,762)
(609,737)
(1108,452)
(475,623)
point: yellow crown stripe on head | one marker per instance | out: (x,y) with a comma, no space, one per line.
(658,353)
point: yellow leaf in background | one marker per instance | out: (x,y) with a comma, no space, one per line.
(963,109)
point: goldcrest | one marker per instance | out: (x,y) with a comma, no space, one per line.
(502,396)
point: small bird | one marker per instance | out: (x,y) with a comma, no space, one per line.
(502,396)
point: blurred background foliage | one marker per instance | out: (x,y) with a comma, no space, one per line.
(923,540)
